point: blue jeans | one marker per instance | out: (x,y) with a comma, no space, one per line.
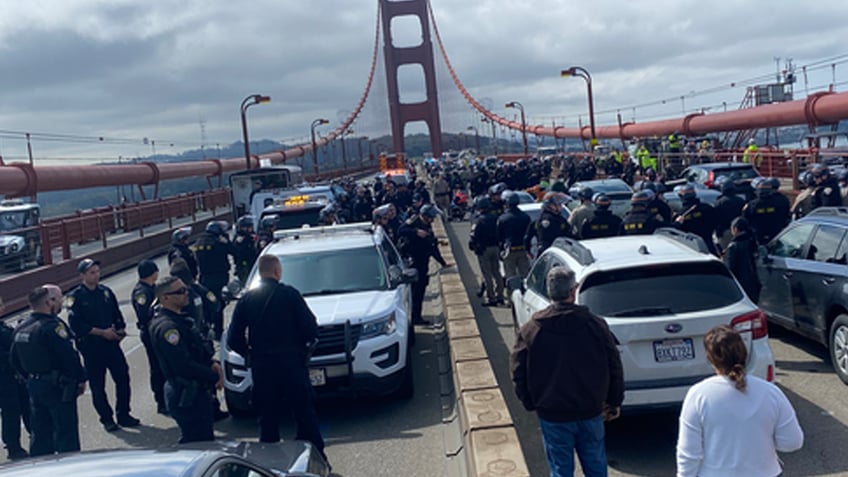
(561,439)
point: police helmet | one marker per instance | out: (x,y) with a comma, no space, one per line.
(245,222)
(726,185)
(482,203)
(585,193)
(268,222)
(601,200)
(762,186)
(641,199)
(808,179)
(843,175)
(380,212)
(498,188)
(686,191)
(429,211)
(647,185)
(775,183)
(511,198)
(217,227)
(180,235)
(820,171)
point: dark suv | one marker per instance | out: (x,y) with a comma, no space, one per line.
(708,174)
(805,281)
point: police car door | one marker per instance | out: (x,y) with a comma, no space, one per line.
(785,255)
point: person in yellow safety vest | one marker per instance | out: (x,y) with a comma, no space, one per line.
(752,151)
(645,159)
(618,156)
(673,143)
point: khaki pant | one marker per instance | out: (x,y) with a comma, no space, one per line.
(516,264)
(490,268)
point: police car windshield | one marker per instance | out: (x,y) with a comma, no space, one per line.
(659,290)
(12,220)
(335,271)
(295,217)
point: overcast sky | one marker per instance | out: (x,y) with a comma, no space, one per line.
(130,69)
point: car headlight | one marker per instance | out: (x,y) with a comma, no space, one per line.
(383,326)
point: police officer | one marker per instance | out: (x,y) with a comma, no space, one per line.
(583,211)
(827,192)
(483,241)
(417,242)
(657,206)
(203,306)
(143,295)
(14,400)
(212,250)
(267,226)
(550,224)
(42,352)
(99,327)
(186,363)
(512,228)
(281,331)
(728,206)
(603,223)
(244,246)
(696,217)
(766,214)
(639,220)
(496,198)
(181,249)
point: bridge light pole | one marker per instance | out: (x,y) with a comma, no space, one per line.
(582,73)
(476,138)
(248,102)
(363,138)
(315,123)
(344,153)
(494,135)
(516,104)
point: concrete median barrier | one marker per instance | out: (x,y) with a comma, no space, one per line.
(489,440)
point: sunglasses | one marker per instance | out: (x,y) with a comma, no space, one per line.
(178,291)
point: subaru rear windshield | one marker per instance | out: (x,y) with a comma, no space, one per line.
(659,290)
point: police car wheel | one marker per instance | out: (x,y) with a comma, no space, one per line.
(235,410)
(839,347)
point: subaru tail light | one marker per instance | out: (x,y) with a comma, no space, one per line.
(754,322)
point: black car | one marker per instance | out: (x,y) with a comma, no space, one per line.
(805,281)
(708,174)
(208,459)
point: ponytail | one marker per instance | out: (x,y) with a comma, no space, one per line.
(727,353)
(737,375)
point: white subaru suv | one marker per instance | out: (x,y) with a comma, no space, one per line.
(659,294)
(357,285)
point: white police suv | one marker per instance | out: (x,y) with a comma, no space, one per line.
(356,284)
(659,294)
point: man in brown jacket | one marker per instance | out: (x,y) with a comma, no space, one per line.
(566,367)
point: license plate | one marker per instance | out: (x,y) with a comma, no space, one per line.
(673,350)
(317,377)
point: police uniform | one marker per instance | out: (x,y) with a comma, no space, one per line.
(142,298)
(182,251)
(767,215)
(483,241)
(212,258)
(42,352)
(280,327)
(512,228)
(727,207)
(827,194)
(659,208)
(419,250)
(187,366)
(547,228)
(699,218)
(14,400)
(602,224)
(98,308)
(244,247)
(639,222)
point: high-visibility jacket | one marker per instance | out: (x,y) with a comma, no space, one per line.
(752,151)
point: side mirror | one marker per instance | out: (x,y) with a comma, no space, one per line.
(231,291)
(410,275)
(762,251)
(395,275)
(515,283)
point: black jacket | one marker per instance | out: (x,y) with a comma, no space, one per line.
(603,223)
(565,364)
(89,309)
(279,320)
(512,228)
(727,208)
(417,248)
(42,344)
(741,259)
(484,233)
(142,298)
(185,253)
(547,228)
(179,348)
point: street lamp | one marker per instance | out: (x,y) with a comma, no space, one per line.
(344,153)
(516,104)
(476,137)
(494,135)
(248,102)
(363,138)
(315,123)
(582,73)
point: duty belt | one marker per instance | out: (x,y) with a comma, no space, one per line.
(517,247)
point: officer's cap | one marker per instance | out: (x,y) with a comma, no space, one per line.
(86,263)
(146,268)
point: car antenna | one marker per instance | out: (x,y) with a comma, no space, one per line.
(643,249)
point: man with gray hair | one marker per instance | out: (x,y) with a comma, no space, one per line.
(566,367)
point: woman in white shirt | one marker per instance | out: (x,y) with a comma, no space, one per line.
(732,424)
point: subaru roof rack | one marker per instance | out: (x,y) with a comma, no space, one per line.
(576,249)
(695,242)
(307,231)
(831,211)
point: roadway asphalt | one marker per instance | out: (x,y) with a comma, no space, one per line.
(377,437)
(644,445)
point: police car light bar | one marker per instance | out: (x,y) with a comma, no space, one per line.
(306,230)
